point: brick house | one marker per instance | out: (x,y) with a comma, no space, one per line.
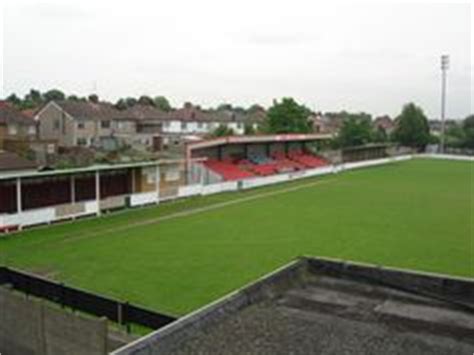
(14,125)
(76,123)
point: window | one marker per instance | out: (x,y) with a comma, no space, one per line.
(56,125)
(105,124)
(31,130)
(199,125)
(184,126)
(81,125)
(51,149)
(12,130)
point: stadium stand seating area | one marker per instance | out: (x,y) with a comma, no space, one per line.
(261,165)
(228,169)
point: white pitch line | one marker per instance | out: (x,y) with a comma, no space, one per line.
(197,210)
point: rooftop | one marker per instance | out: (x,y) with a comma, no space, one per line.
(320,306)
(263,138)
(9,114)
(89,110)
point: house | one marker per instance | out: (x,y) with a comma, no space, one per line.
(156,130)
(76,123)
(14,125)
(384,123)
(321,124)
(141,126)
(81,123)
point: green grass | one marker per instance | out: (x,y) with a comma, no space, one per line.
(417,214)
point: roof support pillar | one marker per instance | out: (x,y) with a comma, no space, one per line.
(157,183)
(132,190)
(97,191)
(19,207)
(73,188)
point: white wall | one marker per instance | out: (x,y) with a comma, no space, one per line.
(199,127)
(143,198)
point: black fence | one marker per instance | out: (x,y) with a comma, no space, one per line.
(122,313)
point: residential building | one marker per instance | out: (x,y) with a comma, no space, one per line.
(81,123)
(76,123)
(384,123)
(14,125)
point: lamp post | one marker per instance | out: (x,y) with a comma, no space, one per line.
(444,69)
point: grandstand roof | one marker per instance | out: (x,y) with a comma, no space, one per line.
(323,306)
(33,174)
(257,139)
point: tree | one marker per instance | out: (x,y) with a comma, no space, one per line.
(131,101)
(222,131)
(93,98)
(380,135)
(35,97)
(224,107)
(287,116)
(255,108)
(14,100)
(249,129)
(121,104)
(146,100)
(412,128)
(468,128)
(73,98)
(455,135)
(355,131)
(162,103)
(54,94)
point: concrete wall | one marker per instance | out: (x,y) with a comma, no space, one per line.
(30,327)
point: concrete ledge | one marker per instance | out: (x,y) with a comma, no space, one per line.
(456,289)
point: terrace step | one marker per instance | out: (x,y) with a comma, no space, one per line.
(371,291)
(395,309)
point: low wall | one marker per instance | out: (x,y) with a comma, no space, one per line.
(220,187)
(84,301)
(30,327)
(144,198)
(190,190)
(456,289)
(447,157)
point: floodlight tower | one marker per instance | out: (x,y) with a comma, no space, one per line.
(444,69)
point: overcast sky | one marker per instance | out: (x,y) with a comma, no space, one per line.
(329,55)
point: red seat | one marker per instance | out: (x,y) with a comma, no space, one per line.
(228,170)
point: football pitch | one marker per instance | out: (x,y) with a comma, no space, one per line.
(183,254)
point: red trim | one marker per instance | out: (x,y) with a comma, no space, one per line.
(255,139)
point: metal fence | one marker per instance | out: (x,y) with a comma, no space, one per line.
(123,313)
